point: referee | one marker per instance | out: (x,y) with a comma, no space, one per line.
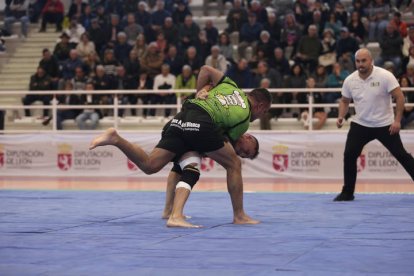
(371,88)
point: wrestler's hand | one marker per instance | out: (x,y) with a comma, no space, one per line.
(203,93)
(395,128)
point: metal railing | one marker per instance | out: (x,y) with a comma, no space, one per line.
(116,106)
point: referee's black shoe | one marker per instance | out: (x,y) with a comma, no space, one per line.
(344,197)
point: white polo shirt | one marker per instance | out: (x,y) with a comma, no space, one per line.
(372,98)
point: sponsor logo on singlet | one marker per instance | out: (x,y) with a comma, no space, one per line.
(234,99)
(189,126)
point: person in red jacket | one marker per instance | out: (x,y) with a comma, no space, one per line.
(52,13)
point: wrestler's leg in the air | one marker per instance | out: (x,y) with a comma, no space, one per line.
(189,164)
(226,156)
(149,164)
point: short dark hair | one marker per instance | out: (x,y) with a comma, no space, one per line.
(256,150)
(261,95)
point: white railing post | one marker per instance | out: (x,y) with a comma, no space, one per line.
(116,105)
(54,113)
(310,110)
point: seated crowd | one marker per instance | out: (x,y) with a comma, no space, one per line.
(132,45)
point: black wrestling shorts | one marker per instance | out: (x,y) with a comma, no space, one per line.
(191,130)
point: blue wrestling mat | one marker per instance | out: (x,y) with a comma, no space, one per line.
(121,233)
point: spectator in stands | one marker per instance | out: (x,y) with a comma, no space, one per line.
(80,79)
(226,47)
(123,82)
(391,44)
(17,11)
(318,20)
(132,29)
(145,83)
(39,81)
(85,46)
(236,17)
(101,80)
(142,16)
(399,24)
(62,48)
(114,7)
(410,59)
(309,49)
(86,19)
(300,12)
(97,35)
(408,41)
(261,12)
(359,7)
(112,30)
(103,19)
(90,62)
(341,13)
(71,98)
(346,45)
(185,80)
(408,114)
(328,53)
(356,28)
(264,71)
(132,66)
(211,32)
(122,48)
(52,13)
(279,62)
(140,46)
(290,36)
(409,72)
(240,73)
(162,43)
(267,44)
(378,12)
(74,31)
(170,31)
(318,112)
(180,12)
(68,67)
(157,19)
(333,24)
(165,81)
(193,59)
(320,76)
(249,36)
(109,62)
(297,79)
(216,59)
(130,6)
(76,9)
(89,117)
(335,80)
(35,10)
(2,45)
(188,32)
(203,46)
(273,26)
(51,66)
(174,60)
(152,60)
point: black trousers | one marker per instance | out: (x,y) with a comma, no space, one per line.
(358,137)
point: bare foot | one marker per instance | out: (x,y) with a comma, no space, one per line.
(245,219)
(181,222)
(109,137)
(166,215)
